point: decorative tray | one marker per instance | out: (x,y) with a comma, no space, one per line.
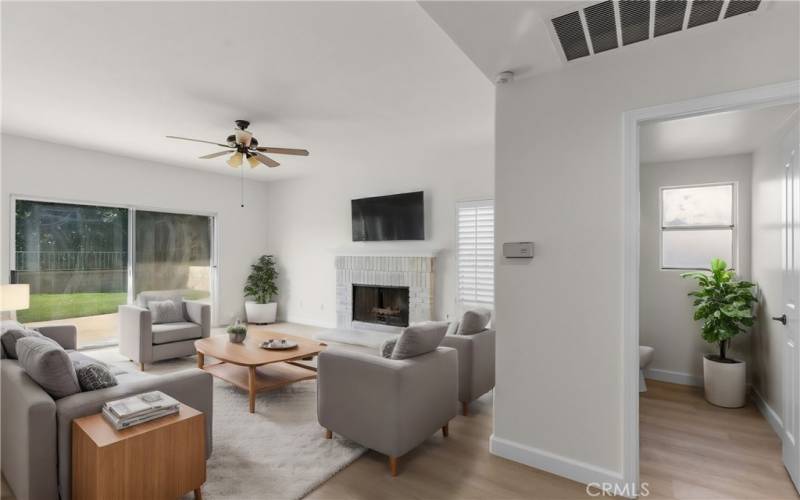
(278,344)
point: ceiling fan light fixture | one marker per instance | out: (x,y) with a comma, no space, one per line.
(253,161)
(235,160)
(243,137)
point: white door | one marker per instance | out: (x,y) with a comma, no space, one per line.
(790,150)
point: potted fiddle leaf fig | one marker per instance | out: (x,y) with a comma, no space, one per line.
(725,306)
(262,286)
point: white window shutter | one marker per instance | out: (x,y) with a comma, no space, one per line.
(475,254)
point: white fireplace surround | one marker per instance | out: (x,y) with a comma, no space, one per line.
(415,272)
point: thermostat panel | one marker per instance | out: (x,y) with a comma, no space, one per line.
(518,250)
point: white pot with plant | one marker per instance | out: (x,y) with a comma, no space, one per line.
(725,306)
(262,286)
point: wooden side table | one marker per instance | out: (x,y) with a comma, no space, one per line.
(161,459)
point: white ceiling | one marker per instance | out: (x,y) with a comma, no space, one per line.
(717,134)
(345,80)
(500,36)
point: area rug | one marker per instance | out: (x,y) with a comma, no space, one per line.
(279,452)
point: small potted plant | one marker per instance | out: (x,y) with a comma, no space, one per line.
(262,287)
(237,332)
(725,306)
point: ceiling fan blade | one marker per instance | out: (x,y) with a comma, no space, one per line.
(284,151)
(266,160)
(197,140)
(214,155)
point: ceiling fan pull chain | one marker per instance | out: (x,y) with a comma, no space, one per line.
(241,168)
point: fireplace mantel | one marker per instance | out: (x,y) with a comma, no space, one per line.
(381,250)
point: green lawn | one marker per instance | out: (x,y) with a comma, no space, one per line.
(48,306)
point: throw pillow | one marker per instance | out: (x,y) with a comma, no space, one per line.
(452,328)
(48,364)
(419,339)
(387,347)
(474,321)
(10,337)
(165,311)
(10,324)
(93,375)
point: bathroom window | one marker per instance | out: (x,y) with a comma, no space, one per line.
(697,225)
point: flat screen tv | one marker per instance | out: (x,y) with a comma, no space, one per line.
(394,217)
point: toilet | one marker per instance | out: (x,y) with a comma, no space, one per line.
(645,357)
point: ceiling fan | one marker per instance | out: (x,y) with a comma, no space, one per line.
(243,145)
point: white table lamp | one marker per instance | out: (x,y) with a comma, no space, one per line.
(15,297)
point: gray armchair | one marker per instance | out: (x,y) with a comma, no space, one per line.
(475,364)
(388,405)
(36,429)
(143,342)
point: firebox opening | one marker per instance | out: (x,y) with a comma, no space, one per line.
(384,305)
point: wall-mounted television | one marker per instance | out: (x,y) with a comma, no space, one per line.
(393,217)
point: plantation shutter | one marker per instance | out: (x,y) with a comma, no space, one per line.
(475,234)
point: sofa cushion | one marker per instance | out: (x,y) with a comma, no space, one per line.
(474,321)
(419,339)
(10,337)
(49,365)
(144,298)
(174,332)
(166,311)
(93,375)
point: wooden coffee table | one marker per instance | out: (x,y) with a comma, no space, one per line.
(254,369)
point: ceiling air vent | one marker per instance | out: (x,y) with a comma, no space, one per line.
(570,33)
(736,7)
(634,17)
(704,12)
(669,16)
(602,26)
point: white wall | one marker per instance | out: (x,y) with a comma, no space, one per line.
(767,351)
(309,220)
(46,170)
(665,310)
(559,183)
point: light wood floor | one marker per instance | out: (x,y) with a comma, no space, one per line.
(689,450)
(692,449)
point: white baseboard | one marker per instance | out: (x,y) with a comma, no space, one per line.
(766,410)
(673,377)
(555,464)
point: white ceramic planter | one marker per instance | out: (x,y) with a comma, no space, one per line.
(725,383)
(261,313)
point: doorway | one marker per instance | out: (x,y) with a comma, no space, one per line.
(721,235)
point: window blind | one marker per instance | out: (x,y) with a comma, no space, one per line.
(475,234)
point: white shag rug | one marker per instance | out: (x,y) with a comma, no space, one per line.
(279,452)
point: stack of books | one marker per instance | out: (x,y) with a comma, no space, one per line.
(138,409)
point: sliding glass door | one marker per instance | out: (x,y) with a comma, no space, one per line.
(173,253)
(75,259)
(83,261)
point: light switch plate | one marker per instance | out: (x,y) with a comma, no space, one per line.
(518,250)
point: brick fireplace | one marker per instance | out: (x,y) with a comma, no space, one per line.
(392,273)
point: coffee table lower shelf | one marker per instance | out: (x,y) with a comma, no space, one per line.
(261,378)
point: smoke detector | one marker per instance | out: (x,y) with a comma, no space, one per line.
(504,77)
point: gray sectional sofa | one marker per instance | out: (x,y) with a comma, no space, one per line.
(36,429)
